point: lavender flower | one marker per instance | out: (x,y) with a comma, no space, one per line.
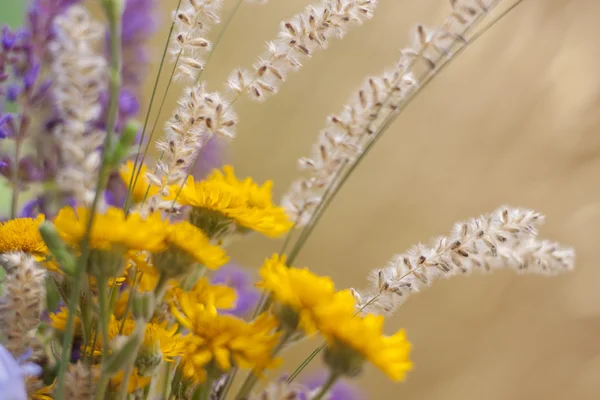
(240,280)
(12,374)
(342,390)
(140,22)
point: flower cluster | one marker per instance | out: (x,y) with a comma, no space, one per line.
(117,276)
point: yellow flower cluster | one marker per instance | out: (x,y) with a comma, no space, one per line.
(216,342)
(313,304)
(110,229)
(245,203)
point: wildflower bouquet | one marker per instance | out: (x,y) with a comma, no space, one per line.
(116,282)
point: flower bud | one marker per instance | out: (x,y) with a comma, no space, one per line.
(143,305)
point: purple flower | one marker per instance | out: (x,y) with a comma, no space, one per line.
(9,38)
(341,389)
(13,373)
(241,281)
(128,104)
(139,23)
(13,92)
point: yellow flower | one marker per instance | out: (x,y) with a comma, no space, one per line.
(352,339)
(220,341)
(244,202)
(142,185)
(59,321)
(22,234)
(185,245)
(298,290)
(111,229)
(44,393)
(160,342)
(219,296)
(136,381)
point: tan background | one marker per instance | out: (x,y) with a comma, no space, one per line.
(514,121)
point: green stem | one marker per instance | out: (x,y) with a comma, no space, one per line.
(115,81)
(167,375)
(159,292)
(104,320)
(306,362)
(218,39)
(333,377)
(203,391)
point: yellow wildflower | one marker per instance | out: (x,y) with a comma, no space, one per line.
(160,342)
(22,234)
(216,341)
(352,339)
(44,393)
(111,229)
(297,290)
(136,381)
(186,245)
(58,321)
(244,202)
(219,296)
(142,185)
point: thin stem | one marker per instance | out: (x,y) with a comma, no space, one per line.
(135,175)
(219,37)
(166,376)
(155,87)
(306,361)
(315,352)
(159,292)
(104,317)
(115,74)
(333,377)
(203,391)
(221,33)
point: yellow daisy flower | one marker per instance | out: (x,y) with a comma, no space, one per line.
(219,296)
(136,381)
(142,185)
(111,229)
(160,341)
(58,321)
(44,393)
(244,202)
(22,234)
(353,339)
(297,293)
(218,341)
(186,245)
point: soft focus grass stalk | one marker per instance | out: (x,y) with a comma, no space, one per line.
(113,12)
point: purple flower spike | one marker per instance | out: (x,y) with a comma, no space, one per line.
(241,281)
(9,38)
(12,93)
(30,76)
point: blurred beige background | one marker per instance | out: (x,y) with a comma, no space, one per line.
(514,121)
